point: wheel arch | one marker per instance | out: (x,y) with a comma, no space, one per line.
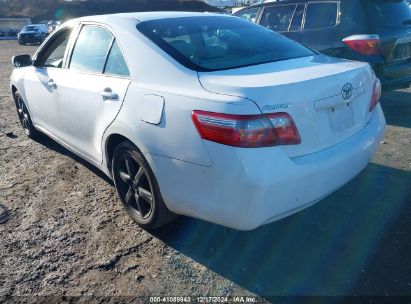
(111,142)
(13,90)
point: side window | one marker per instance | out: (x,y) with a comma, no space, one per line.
(116,64)
(53,54)
(278,18)
(91,49)
(321,15)
(297,21)
(249,14)
(354,15)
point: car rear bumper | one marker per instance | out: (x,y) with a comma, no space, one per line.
(396,83)
(394,76)
(247,188)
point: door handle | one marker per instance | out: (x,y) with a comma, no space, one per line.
(51,84)
(108,94)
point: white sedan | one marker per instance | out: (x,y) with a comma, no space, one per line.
(203,115)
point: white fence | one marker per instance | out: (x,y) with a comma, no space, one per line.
(9,27)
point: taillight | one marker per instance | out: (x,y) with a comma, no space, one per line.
(376,94)
(364,44)
(247,131)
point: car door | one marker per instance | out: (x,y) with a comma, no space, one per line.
(250,14)
(39,81)
(279,18)
(91,93)
(320,30)
(296,25)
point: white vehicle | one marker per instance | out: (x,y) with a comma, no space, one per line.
(203,115)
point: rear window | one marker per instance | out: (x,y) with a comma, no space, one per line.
(278,18)
(297,18)
(390,13)
(321,15)
(215,43)
(249,14)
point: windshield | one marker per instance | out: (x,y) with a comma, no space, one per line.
(219,43)
(31,28)
(391,13)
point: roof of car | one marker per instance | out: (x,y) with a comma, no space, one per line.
(147,16)
(282,2)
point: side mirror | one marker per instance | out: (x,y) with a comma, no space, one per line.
(22,61)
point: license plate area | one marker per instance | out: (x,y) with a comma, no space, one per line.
(335,120)
(401,52)
(337,116)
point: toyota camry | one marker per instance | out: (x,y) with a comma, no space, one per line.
(203,115)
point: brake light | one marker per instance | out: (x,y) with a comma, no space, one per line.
(376,94)
(247,131)
(364,44)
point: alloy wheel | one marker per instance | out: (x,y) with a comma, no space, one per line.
(23,115)
(135,187)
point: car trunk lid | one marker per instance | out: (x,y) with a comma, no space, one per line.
(310,89)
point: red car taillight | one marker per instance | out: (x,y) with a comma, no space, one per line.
(376,94)
(247,131)
(364,44)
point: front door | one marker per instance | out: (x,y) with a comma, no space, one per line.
(39,80)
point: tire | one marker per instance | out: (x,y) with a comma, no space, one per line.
(24,117)
(138,189)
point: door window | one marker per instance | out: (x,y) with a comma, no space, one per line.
(249,14)
(53,54)
(91,49)
(297,21)
(321,15)
(278,18)
(116,64)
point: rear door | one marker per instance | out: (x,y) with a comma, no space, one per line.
(391,20)
(90,95)
(320,27)
(279,18)
(297,23)
(250,14)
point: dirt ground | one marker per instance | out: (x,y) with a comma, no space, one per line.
(63,231)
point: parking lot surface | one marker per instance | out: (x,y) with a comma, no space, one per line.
(63,230)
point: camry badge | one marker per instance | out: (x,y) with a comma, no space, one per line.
(276,107)
(347,91)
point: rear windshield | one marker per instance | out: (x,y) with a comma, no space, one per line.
(391,13)
(215,43)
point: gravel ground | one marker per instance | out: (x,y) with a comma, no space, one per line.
(63,231)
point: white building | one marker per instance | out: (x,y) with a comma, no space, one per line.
(14,23)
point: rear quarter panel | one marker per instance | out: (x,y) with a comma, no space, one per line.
(175,136)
